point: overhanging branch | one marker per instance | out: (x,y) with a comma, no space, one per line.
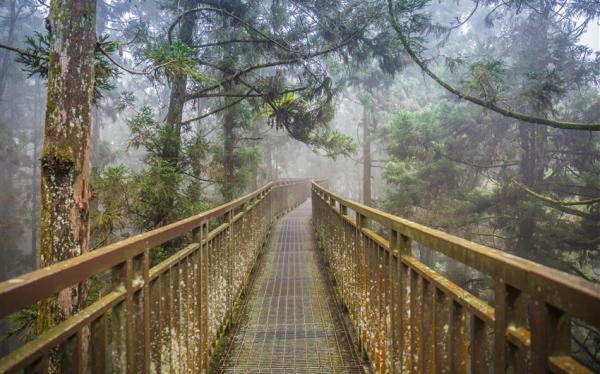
(567,125)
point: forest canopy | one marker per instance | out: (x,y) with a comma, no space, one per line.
(477,117)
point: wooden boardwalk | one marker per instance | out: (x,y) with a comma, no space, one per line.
(290,321)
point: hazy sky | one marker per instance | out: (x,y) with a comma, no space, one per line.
(591,38)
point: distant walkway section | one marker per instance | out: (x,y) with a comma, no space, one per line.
(290,322)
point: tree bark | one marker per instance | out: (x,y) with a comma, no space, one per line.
(366,188)
(65,192)
(35,182)
(171,149)
(533,141)
(228,155)
(10,38)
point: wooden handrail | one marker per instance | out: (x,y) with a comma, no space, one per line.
(189,285)
(397,303)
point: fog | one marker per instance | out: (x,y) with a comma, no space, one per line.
(271,152)
(345,97)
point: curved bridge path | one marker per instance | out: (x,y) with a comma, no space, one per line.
(290,321)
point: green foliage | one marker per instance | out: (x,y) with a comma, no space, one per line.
(308,122)
(487,78)
(144,130)
(38,44)
(110,188)
(332,143)
(178,59)
(22,325)
(277,104)
(542,89)
(165,190)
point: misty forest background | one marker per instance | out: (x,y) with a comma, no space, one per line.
(324,89)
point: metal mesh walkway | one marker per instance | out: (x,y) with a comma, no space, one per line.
(290,321)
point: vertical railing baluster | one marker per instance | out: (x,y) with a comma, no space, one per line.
(146,310)
(129,337)
(429,322)
(39,366)
(479,346)
(500,325)
(165,316)
(156,334)
(396,315)
(118,323)
(184,327)
(407,327)
(416,314)
(362,275)
(381,293)
(387,309)
(71,351)
(550,335)
(442,325)
(172,352)
(196,290)
(204,298)
(510,310)
(229,255)
(98,344)
(458,337)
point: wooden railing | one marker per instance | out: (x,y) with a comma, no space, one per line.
(165,318)
(412,319)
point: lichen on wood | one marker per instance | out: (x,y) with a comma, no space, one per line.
(65,193)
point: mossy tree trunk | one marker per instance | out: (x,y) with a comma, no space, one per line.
(65,192)
(178,84)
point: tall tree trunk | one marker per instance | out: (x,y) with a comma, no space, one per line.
(269,161)
(228,155)
(366,187)
(64,225)
(171,149)
(533,142)
(35,182)
(526,223)
(10,38)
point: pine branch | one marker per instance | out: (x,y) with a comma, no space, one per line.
(22,52)
(554,201)
(131,71)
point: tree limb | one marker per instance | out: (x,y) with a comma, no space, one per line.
(475,100)
(554,201)
(22,52)
(216,110)
(131,71)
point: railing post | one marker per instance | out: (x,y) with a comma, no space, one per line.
(229,251)
(401,246)
(204,298)
(509,342)
(550,335)
(130,343)
(362,276)
(146,309)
